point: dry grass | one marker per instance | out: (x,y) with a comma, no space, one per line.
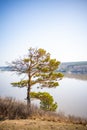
(12,109)
(38,120)
(38,124)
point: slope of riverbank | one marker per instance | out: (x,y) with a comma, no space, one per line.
(13,116)
(39,124)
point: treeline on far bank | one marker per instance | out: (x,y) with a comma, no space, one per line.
(74,67)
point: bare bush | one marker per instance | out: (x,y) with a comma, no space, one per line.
(12,109)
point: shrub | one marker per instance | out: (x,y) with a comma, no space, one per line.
(46,100)
(12,109)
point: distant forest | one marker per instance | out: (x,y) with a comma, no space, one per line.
(74,69)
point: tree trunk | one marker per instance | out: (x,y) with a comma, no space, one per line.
(28,100)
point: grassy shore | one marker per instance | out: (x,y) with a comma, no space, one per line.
(14,116)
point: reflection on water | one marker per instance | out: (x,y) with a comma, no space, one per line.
(71,95)
(76,76)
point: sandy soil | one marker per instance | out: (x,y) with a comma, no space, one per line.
(38,124)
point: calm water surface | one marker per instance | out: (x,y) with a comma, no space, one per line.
(71,95)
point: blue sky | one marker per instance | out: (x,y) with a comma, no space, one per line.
(59,26)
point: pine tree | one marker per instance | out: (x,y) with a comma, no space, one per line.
(39,68)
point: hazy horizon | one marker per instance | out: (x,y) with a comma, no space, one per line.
(58,26)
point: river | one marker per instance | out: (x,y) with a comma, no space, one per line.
(70,95)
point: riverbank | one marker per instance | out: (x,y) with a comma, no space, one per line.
(13,116)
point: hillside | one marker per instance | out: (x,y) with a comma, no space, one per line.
(74,67)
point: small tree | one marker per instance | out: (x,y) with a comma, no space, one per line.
(39,68)
(46,100)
